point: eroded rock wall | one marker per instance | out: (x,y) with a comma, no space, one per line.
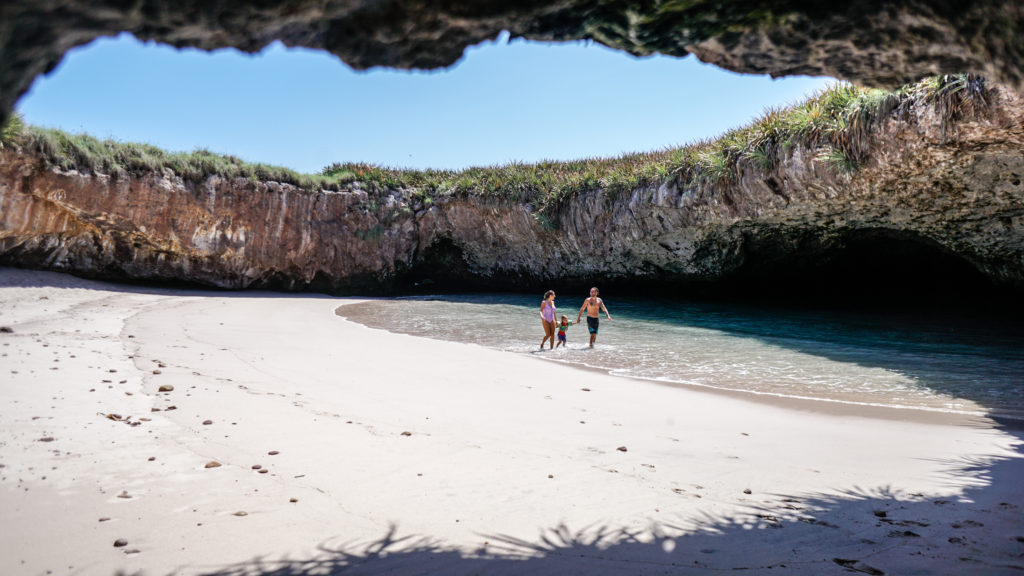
(955,191)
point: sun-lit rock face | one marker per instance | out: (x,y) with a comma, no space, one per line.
(933,207)
(883,44)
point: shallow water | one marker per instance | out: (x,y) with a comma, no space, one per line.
(945,364)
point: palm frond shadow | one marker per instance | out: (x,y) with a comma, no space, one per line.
(867,530)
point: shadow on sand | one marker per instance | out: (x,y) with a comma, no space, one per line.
(863,531)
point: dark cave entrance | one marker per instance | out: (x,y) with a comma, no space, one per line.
(874,269)
(440,267)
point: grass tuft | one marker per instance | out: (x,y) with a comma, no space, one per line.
(837,123)
(11,132)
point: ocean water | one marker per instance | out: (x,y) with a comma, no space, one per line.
(948,364)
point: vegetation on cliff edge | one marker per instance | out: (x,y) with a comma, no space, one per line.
(835,124)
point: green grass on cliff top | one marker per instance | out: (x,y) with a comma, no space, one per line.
(836,124)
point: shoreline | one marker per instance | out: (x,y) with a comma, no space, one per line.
(342,448)
(816,405)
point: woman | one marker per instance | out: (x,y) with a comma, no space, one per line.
(547,316)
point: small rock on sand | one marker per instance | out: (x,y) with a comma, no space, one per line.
(241,513)
(621,449)
(293,500)
(256,466)
(6,330)
(120,542)
(858,566)
(207,422)
(165,388)
(46,439)
(747,491)
(407,433)
(212,464)
(157,372)
(273,452)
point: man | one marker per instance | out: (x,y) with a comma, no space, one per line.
(593,306)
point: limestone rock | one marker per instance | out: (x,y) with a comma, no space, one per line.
(929,193)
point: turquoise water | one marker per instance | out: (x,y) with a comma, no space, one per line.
(928,363)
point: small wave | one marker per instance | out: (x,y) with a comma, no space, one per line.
(848,360)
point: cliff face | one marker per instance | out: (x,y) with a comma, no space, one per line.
(883,44)
(945,199)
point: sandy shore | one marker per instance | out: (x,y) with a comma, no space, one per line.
(343,449)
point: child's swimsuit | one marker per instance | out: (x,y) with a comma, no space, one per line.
(561,330)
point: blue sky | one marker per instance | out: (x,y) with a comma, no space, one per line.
(518,101)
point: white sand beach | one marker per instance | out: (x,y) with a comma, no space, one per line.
(346,450)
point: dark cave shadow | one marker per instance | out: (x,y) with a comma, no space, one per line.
(952,354)
(861,531)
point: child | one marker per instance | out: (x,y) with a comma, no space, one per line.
(561,330)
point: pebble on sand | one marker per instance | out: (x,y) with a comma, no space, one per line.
(621,449)
(207,422)
(241,513)
(165,388)
(273,452)
(212,464)
(120,542)
(6,330)
(157,372)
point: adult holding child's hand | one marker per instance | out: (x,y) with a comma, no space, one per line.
(547,316)
(593,305)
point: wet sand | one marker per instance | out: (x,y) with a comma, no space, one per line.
(288,440)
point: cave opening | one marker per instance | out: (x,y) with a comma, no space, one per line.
(878,269)
(441,266)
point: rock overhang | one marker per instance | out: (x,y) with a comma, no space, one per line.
(879,43)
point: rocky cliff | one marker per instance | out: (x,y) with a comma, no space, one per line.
(882,43)
(931,204)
